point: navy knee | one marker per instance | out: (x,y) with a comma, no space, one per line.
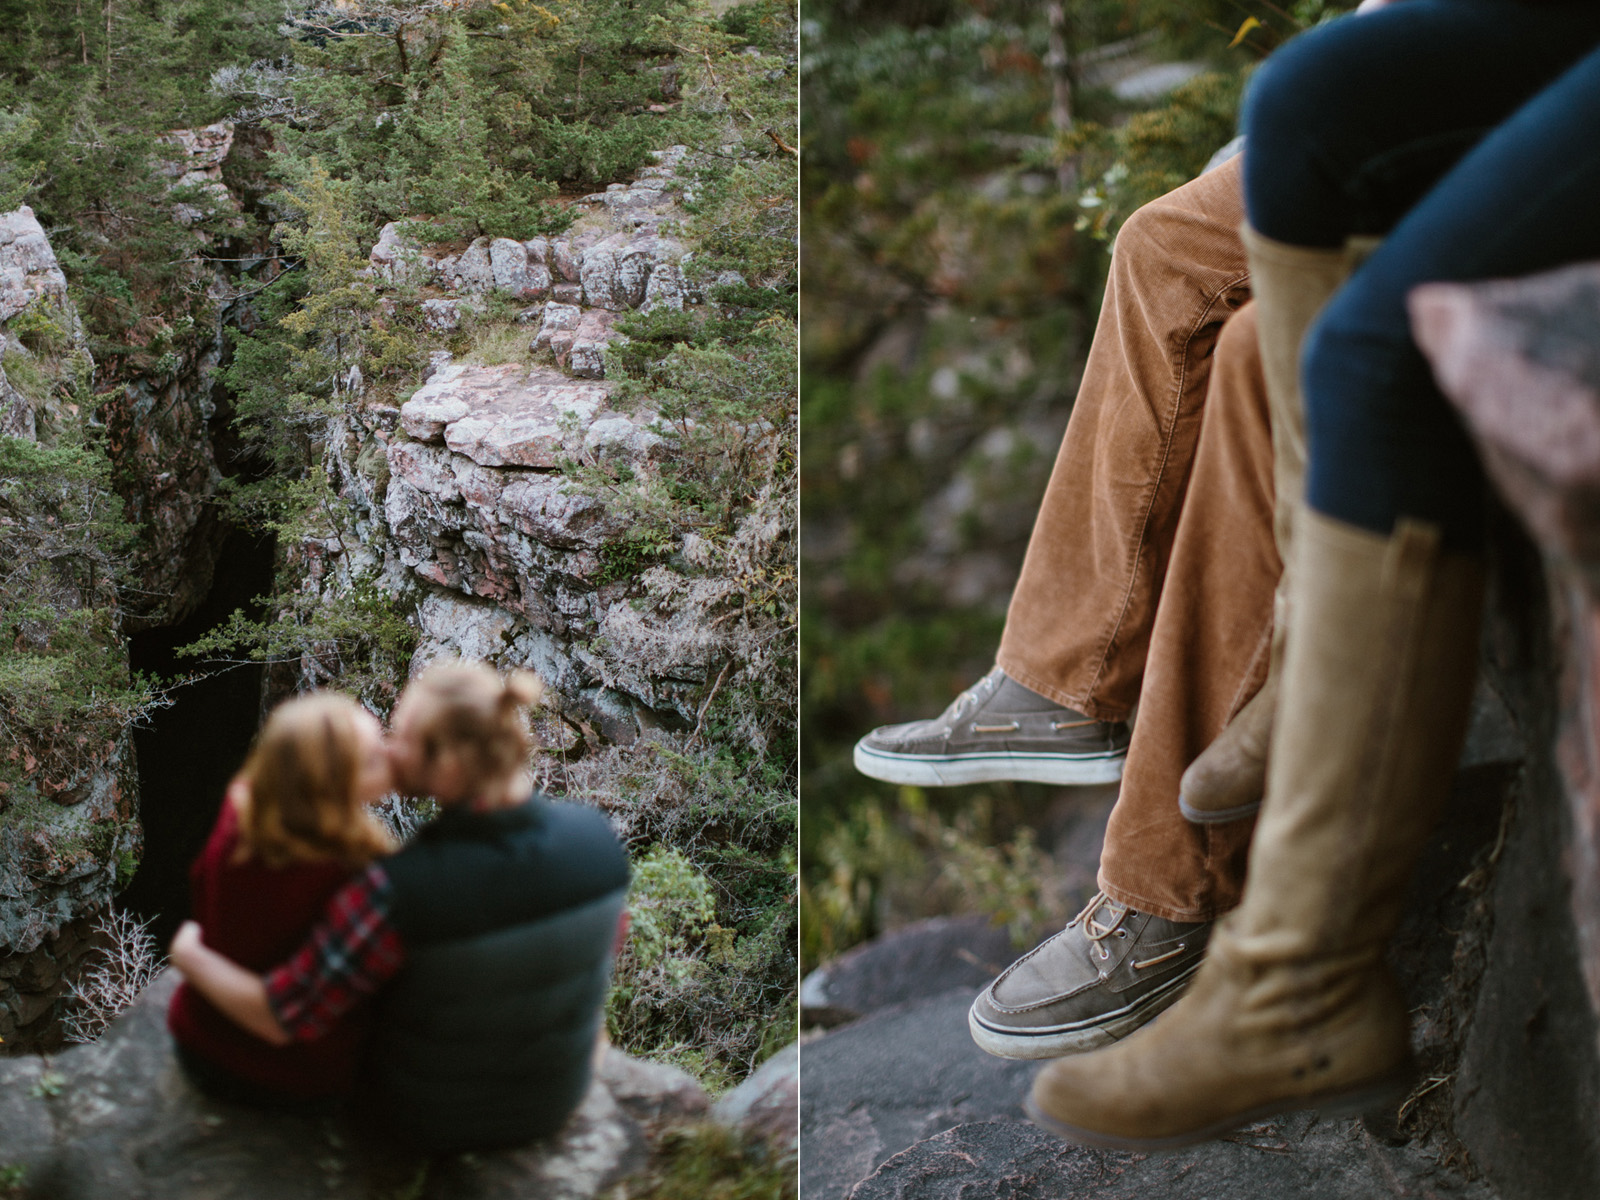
(1296,105)
(1382,441)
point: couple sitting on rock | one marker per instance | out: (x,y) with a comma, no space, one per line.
(456,983)
(1462,134)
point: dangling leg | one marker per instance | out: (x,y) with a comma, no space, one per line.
(1129,954)
(1294,1006)
(1073,652)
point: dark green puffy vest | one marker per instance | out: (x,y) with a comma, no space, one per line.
(486,1037)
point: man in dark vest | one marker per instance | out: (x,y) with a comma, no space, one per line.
(485,943)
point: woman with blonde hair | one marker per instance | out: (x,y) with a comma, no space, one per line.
(294,827)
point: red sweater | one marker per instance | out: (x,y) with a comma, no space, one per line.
(258,916)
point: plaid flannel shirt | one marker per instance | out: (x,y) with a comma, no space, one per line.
(350,954)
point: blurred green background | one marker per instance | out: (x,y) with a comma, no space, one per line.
(966,166)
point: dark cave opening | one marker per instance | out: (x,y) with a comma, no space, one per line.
(190,750)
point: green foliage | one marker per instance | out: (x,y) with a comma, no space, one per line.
(39,328)
(46,365)
(708,978)
(18,177)
(413,117)
(673,939)
(722,405)
(672,906)
(469,114)
(363,636)
(12,1178)
(1153,152)
(65,691)
(887,864)
(496,342)
(627,556)
(49,1083)
(715,1162)
(127,864)
(86,92)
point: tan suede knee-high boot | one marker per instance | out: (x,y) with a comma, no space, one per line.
(1291,285)
(1294,1006)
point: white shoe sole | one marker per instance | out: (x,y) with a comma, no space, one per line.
(1082,1036)
(951,770)
(1216,816)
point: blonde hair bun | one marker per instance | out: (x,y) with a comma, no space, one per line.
(466,705)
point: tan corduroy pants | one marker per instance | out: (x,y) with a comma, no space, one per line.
(1151,569)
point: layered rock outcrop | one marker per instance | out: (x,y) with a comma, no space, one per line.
(1521,361)
(67,822)
(467,506)
(615,258)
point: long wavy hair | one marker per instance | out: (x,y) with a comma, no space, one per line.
(301,804)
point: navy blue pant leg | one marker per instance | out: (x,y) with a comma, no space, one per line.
(1348,125)
(1383,443)
(1438,124)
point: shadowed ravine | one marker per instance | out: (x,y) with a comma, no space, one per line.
(189,750)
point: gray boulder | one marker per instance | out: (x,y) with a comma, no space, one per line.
(28,267)
(117,1120)
(516,271)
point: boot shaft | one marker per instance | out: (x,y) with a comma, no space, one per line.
(1291,285)
(1373,706)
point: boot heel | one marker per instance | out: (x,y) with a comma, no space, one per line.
(1372,1098)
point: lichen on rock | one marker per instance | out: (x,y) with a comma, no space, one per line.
(68,829)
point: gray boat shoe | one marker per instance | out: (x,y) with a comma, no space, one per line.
(1108,972)
(997,729)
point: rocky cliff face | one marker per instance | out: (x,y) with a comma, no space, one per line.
(67,827)
(69,831)
(461,514)
(463,505)
(164,420)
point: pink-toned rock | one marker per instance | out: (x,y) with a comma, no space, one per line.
(1520,359)
(504,416)
(440,314)
(204,150)
(480,487)
(558,318)
(396,259)
(567,259)
(664,288)
(516,271)
(472,270)
(201,154)
(585,358)
(438,402)
(601,287)
(768,1101)
(542,507)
